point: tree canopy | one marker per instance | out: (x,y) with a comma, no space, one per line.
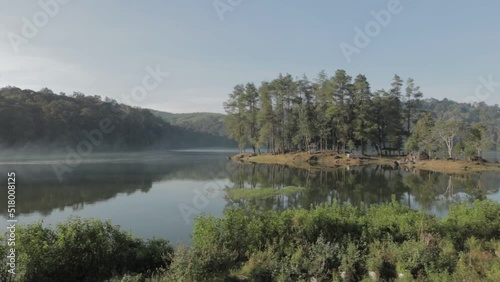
(342,113)
(329,113)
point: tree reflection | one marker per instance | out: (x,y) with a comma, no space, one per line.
(361,185)
(39,190)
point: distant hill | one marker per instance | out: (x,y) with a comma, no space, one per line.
(202,122)
(488,115)
(42,120)
(470,113)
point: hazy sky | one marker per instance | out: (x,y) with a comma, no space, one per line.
(103,47)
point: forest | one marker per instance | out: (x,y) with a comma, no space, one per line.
(43,120)
(203,122)
(342,113)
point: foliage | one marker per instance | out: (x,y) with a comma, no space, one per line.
(342,242)
(447,131)
(44,120)
(329,113)
(481,113)
(211,123)
(84,250)
(328,242)
(477,139)
(339,113)
(457,137)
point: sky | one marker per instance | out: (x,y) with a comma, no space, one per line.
(109,48)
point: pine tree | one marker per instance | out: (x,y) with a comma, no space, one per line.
(331,112)
(379,117)
(235,120)
(265,118)
(363,125)
(321,92)
(306,126)
(251,100)
(339,111)
(412,104)
(394,117)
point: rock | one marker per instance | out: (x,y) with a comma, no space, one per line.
(373,275)
(424,156)
(312,159)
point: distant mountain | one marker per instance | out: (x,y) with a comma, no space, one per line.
(211,123)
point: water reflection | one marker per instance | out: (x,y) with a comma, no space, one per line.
(39,190)
(427,190)
(143,193)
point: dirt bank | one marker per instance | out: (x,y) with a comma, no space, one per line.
(332,159)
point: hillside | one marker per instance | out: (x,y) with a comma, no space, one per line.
(42,120)
(481,113)
(203,122)
(470,113)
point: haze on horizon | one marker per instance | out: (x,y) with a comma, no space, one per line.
(206,47)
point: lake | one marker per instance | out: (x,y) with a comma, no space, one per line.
(159,194)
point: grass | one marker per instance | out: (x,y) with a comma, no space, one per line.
(260,193)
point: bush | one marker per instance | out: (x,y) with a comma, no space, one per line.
(342,242)
(84,250)
(481,220)
(329,242)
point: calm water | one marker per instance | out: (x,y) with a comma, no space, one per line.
(159,195)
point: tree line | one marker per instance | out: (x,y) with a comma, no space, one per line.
(451,136)
(338,113)
(45,120)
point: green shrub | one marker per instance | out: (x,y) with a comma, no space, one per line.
(328,242)
(84,250)
(334,241)
(481,220)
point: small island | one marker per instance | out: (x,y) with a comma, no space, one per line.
(339,121)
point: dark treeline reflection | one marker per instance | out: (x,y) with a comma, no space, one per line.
(102,179)
(361,185)
(39,190)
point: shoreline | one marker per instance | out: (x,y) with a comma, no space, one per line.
(333,160)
